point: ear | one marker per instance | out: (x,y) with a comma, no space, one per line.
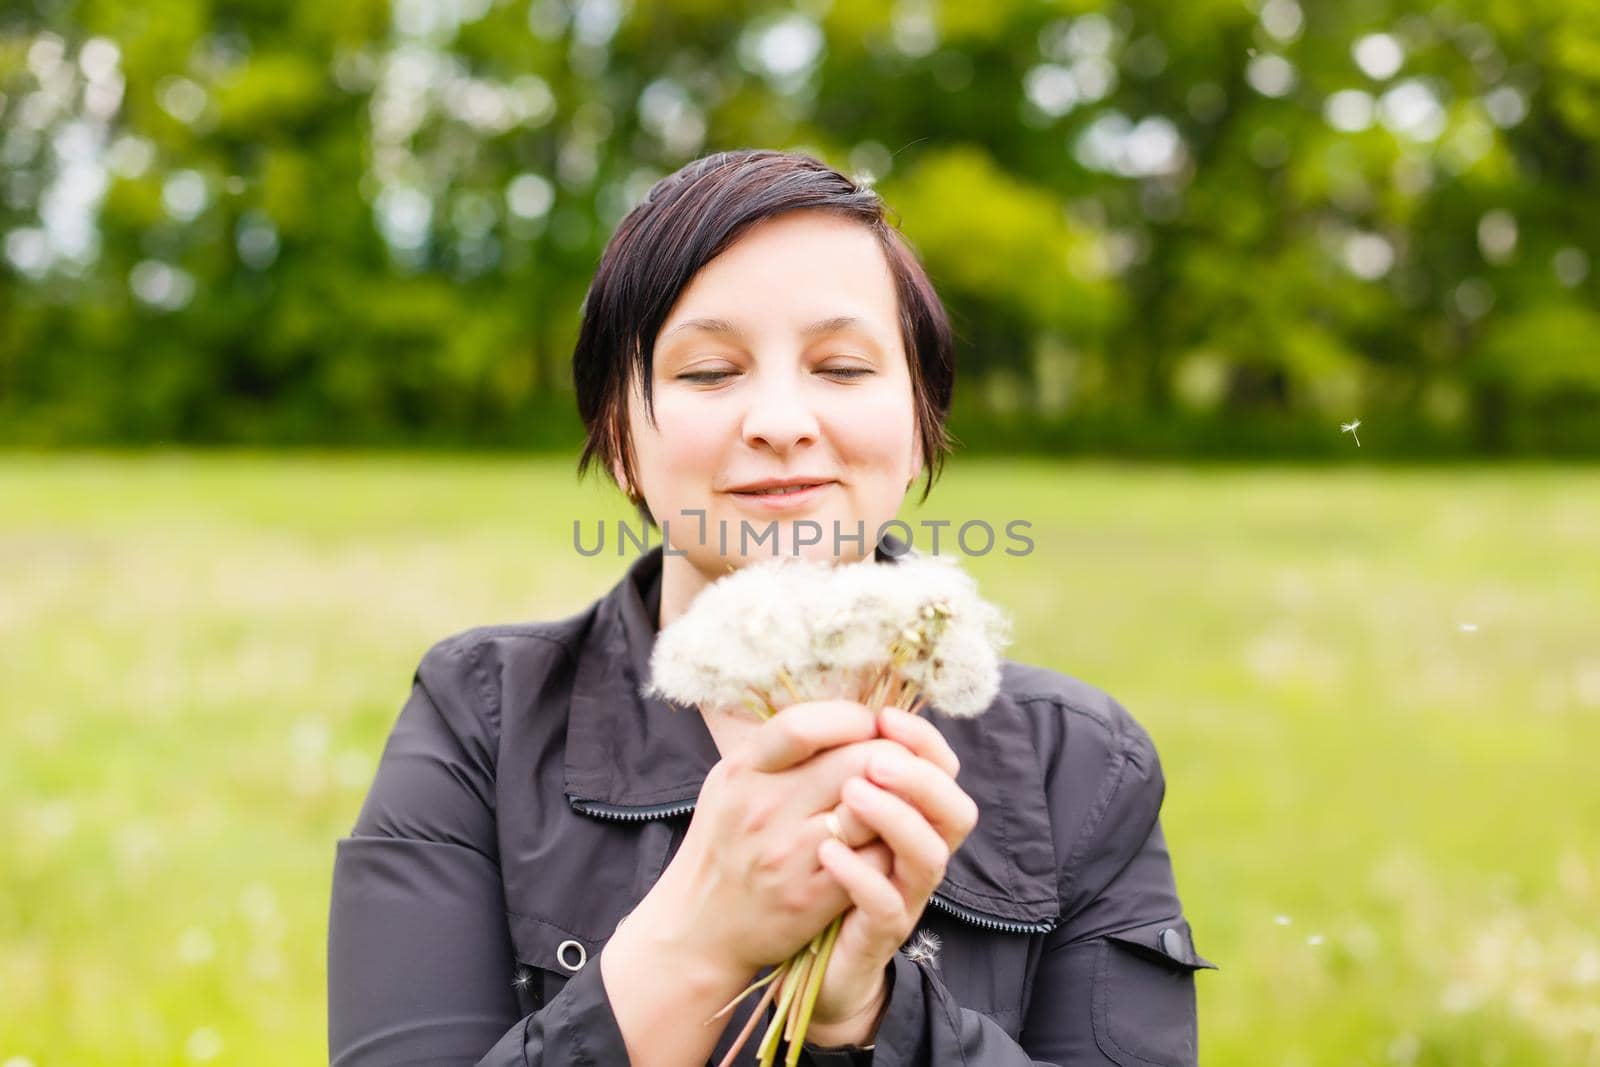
(621,478)
(619,473)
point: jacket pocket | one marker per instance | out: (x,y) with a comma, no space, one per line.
(547,955)
(1144,1004)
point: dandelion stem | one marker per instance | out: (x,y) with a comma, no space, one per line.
(788,683)
(813,987)
(802,981)
(751,988)
(755,1017)
(871,688)
(759,702)
(769,1043)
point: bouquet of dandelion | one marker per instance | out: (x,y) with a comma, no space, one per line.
(912,634)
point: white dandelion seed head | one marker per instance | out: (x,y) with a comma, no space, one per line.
(960,675)
(740,633)
(832,626)
(860,612)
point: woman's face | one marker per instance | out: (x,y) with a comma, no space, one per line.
(781,362)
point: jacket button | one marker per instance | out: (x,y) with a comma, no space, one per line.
(561,954)
(1172,944)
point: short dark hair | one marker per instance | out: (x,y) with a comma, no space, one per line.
(689,218)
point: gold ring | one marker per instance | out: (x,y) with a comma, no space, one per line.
(832,822)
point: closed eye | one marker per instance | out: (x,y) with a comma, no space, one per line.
(711,377)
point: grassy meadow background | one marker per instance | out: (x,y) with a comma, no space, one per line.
(232,233)
(1376,693)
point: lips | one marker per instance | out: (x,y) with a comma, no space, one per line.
(781,497)
(796,481)
(783,490)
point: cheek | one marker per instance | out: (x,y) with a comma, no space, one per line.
(687,437)
(877,429)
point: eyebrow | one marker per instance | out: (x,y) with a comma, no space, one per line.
(815,329)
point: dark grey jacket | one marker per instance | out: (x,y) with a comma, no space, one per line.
(529,797)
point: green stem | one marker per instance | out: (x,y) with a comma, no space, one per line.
(802,980)
(769,1042)
(751,988)
(813,987)
(750,1023)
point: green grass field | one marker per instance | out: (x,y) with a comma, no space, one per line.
(1376,694)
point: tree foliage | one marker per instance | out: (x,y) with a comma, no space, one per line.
(367,222)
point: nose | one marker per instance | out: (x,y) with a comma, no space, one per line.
(780,415)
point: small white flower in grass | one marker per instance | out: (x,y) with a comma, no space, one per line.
(1282,920)
(264,964)
(1469,627)
(1405,1048)
(204,1044)
(1314,940)
(260,905)
(1350,428)
(196,946)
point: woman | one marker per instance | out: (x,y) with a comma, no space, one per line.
(552,869)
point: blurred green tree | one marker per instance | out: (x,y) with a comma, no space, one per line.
(375,222)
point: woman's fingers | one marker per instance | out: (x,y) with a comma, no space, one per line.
(877,855)
(867,883)
(925,785)
(920,853)
(942,803)
(920,736)
(846,826)
(800,731)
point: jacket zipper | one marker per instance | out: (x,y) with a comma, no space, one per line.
(630,814)
(990,922)
(664,811)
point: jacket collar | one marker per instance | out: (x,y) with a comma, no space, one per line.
(631,756)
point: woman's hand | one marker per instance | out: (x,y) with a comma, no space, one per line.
(745,887)
(909,800)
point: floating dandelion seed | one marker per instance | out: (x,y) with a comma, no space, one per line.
(924,947)
(1350,428)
